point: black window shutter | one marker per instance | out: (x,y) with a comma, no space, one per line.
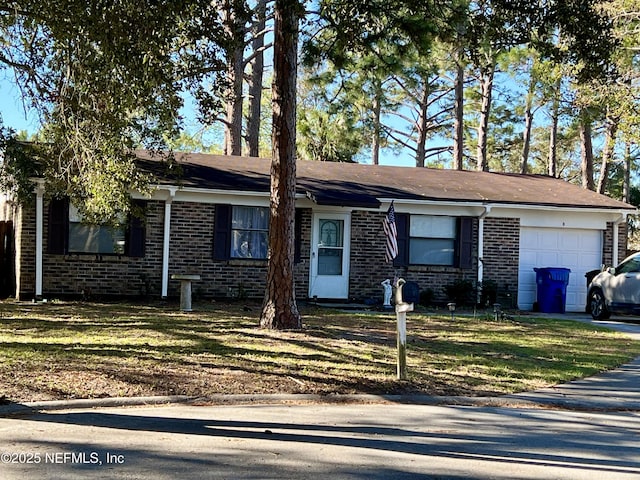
(465,243)
(222,232)
(402,227)
(297,241)
(136,232)
(58,226)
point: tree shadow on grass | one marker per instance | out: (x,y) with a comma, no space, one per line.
(168,351)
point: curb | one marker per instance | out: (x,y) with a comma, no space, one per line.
(14,409)
(507,401)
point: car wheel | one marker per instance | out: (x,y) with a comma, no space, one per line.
(597,305)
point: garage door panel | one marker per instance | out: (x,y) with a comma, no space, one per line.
(569,259)
(587,260)
(549,242)
(573,298)
(570,241)
(591,243)
(546,258)
(528,259)
(577,249)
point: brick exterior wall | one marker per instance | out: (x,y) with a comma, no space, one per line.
(301,269)
(369,268)
(607,244)
(191,251)
(191,247)
(106,275)
(501,257)
(25,244)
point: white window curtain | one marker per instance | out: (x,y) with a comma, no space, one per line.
(249,232)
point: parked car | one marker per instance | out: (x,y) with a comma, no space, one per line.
(616,290)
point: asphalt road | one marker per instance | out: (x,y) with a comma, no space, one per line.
(382,441)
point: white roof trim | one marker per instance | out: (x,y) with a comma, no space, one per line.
(192,194)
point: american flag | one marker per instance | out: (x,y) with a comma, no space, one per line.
(391,234)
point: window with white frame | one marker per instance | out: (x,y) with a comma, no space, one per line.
(432,240)
(98,239)
(249,232)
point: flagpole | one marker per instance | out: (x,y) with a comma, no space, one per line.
(391,252)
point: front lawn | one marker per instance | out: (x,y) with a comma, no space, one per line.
(61,350)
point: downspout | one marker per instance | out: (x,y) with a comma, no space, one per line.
(39,235)
(487,210)
(165,244)
(615,248)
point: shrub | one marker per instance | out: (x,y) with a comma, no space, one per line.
(461,292)
(488,292)
(427,297)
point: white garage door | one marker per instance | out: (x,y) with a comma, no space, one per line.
(579,250)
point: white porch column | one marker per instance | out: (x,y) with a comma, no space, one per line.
(481,218)
(39,235)
(165,244)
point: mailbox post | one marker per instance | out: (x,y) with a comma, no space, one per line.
(402,308)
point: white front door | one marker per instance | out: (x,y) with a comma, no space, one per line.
(329,272)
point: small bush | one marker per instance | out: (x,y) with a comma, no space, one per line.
(427,297)
(461,292)
(488,292)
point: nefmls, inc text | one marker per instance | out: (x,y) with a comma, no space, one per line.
(78,458)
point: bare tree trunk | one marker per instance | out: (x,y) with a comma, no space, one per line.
(423,125)
(377,128)
(458,108)
(255,82)
(553,138)
(607,152)
(528,122)
(586,151)
(626,187)
(485,110)
(235,71)
(280,310)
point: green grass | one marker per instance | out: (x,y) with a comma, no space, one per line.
(87,350)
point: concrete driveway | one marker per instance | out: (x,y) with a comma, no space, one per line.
(617,389)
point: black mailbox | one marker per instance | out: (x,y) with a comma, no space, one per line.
(411,292)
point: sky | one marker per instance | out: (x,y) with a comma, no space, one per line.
(14,116)
(12,110)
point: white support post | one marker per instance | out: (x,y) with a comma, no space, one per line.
(401,316)
(39,236)
(480,276)
(165,244)
(614,248)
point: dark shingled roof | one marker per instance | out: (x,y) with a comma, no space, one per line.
(357,185)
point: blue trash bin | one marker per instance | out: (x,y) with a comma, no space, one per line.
(552,289)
